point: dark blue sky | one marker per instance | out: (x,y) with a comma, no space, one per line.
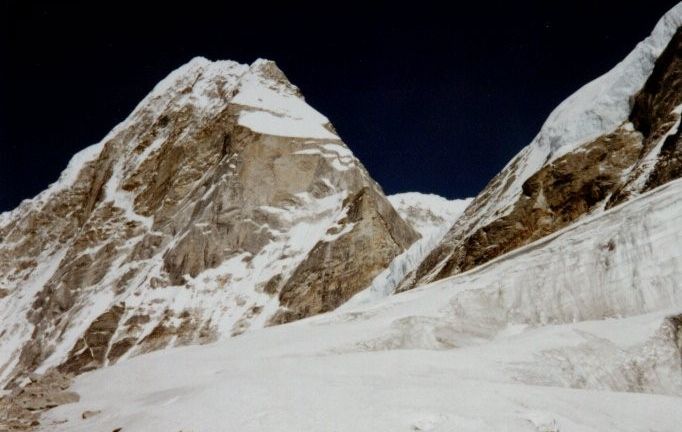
(430,99)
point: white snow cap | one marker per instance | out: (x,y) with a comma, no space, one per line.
(271,106)
(277,108)
(596,109)
(603,104)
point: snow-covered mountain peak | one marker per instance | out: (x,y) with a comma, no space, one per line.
(269,74)
(207,86)
(271,104)
(612,140)
(223,202)
(598,108)
(275,106)
(200,81)
(602,105)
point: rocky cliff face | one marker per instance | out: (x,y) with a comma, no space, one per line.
(614,139)
(223,202)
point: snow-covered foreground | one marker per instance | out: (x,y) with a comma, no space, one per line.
(571,333)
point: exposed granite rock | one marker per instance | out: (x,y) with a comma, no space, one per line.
(90,352)
(669,163)
(655,114)
(335,270)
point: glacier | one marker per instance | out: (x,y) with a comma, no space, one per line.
(579,331)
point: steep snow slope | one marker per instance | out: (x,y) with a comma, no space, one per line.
(613,139)
(223,203)
(597,108)
(579,331)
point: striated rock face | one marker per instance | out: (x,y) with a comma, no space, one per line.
(614,139)
(222,203)
(431,216)
(331,274)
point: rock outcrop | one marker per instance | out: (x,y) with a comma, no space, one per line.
(331,275)
(20,410)
(222,203)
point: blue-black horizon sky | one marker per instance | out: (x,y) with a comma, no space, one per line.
(430,99)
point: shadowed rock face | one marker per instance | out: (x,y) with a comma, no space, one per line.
(669,163)
(330,276)
(655,113)
(641,154)
(90,352)
(221,199)
(554,197)
(654,103)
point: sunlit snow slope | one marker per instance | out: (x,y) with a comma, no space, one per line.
(578,331)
